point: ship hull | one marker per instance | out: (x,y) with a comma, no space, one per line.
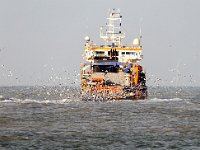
(94,93)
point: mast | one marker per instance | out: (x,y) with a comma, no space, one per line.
(111,33)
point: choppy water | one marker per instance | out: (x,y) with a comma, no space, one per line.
(56,118)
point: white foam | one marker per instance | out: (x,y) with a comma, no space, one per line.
(1,96)
(69,100)
(163,100)
(60,101)
(10,100)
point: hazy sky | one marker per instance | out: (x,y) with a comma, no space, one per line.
(41,41)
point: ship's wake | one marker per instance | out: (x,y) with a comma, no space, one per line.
(63,95)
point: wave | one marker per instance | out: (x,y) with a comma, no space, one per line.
(68,100)
(24,101)
(164,100)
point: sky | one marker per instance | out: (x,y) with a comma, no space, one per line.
(41,41)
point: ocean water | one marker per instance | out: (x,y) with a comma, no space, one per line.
(56,118)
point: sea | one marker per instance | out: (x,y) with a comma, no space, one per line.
(55,118)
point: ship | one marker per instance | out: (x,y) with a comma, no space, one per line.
(112,71)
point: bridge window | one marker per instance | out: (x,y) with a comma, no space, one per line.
(104,68)
(99,52)
(113,53)
(132,53)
